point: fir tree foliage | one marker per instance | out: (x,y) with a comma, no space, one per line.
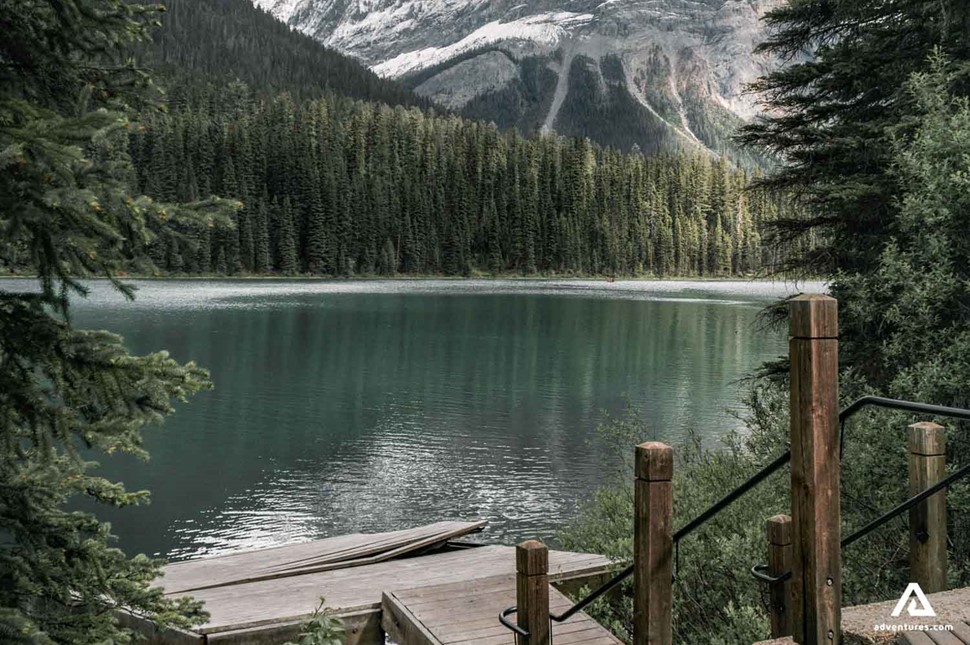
(338,187)
(830,116)
(67,212)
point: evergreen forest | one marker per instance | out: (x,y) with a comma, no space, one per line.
(342,173)
(333,186)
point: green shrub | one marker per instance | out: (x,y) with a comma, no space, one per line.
(322,628)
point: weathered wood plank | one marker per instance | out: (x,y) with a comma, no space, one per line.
(962,631)
(331,553)
(289,600)
(468,613)
(409,541)
(944,638)
(153,635)
(402,625)
(361,628)
(914,638)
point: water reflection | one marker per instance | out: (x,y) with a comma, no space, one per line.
(346,407)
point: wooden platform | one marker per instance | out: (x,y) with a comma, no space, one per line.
(467,613)
(959,636)
(263,596)
(859,622)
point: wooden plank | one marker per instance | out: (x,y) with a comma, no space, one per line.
(402,625)
(477,630)
(151,633)
(290,599)
(319,555)
(927,520)
(914,638)
(448,590)
(411,547)
(439,532)
(944,638)
(815,470)
(653,545)
(962,631)
(361,628)
(489,626)
(468,613)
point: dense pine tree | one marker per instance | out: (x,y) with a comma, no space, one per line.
(220,41)
(835,121)
(377,189)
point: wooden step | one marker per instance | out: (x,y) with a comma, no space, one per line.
(466,613)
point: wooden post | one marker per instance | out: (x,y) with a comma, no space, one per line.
(532,592)
(927,521)
(653,545)
(779,563)
(816,517)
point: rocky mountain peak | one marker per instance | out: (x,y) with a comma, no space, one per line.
(665,73)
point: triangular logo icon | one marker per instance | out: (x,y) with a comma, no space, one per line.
(923,609)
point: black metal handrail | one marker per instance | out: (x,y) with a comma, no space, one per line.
(758,571)
(908,504)
(896,404)
(504,619)
(683,532)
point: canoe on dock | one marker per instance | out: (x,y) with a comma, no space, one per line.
(263,596)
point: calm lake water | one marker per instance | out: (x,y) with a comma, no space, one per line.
(377,405)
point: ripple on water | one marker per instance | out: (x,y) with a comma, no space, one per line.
(371,405)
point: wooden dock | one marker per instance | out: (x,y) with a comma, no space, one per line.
(466,613)
(263,596)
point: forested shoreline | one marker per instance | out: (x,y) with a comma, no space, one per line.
(339,187)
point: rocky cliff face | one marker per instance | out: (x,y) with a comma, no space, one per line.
(656,74)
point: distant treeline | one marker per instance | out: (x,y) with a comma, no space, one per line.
(334,186)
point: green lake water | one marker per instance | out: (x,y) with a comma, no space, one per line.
(376,405)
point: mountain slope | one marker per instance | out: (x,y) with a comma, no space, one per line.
(220,40)
(655,74)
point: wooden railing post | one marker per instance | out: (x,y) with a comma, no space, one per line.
(779,563)
(816,516)
(927,521)
(532,592)
(653,543)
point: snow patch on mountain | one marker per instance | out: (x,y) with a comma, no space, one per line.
(281,9)
(546,29)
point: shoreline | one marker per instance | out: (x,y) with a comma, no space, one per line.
(419,278)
